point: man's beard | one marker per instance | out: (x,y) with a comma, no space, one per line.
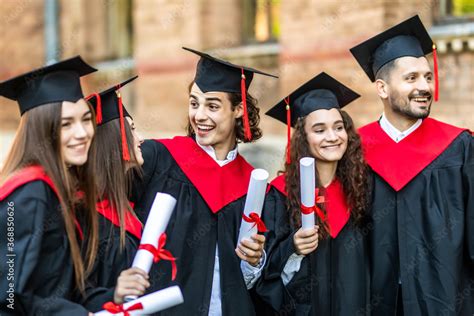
(401,105)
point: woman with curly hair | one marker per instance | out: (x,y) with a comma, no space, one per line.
(322,270)
(209,180)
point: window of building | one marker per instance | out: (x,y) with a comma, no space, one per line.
(109,30)
(456,9)
(119,29)
(261,21)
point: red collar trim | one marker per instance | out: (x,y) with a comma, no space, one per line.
(132,224)
(336,206)
(24,176)
(30,174)
(414,153)
(217,185)
(280,184)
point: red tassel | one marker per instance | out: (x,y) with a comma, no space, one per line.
(436,78)
(98,110)
(288,130)
(125,153)
(247,133)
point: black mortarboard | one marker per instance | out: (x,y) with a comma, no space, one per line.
(409,38)
(214,74)
(321,92)
(108,106)
(54,83)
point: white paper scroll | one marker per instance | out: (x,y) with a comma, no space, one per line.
(307,188)
(155,225)
(152,303)
(254,201)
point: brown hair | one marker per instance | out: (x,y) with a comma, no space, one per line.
(114,175)
(253,114)
(37,142)
(351,171)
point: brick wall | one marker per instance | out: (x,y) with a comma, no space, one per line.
(315,36)
(21,48)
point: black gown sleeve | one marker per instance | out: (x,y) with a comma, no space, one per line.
(151,157)
(468,184)
(33,268)
(279,247)
(111,260)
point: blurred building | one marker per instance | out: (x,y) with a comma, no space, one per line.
(293,39)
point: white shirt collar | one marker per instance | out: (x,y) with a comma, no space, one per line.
(393,132)
(211,152)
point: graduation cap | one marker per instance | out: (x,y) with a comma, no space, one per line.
(213,74)
(54,83)
(409,38)
(322,92)
(108,106)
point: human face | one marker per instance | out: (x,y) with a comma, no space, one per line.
(77,130)
(137,141)
(326,135)
(212,118)
(410,88)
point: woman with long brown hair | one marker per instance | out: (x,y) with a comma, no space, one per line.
(41,214)
(321,270)
(118,162)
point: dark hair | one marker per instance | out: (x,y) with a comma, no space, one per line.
(384,72)
(351,171)
(114,176)
(253,114)
(38,142)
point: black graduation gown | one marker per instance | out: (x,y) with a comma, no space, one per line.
(210,203)
(111,258)
(333,280)
(423,220)
(43,273)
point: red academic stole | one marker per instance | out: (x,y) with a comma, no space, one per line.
(398,163)
(335,204)
(132,224)
(217,185)
(26,175)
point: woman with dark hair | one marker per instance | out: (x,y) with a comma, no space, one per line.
(40,211)
(321,270)
(209,179)
(118,161)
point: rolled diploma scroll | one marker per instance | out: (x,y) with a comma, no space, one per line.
(154,302)
(307,187)
(155,225)
(254,201)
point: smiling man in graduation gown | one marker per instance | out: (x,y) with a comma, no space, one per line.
(209,179)
(422,236)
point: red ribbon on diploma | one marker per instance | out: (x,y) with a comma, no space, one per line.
(254,218)
(161,254)
(315,209)
(113,308)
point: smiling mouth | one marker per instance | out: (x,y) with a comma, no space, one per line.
(331,146)
(424,99)
(77,146)
(203,129)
